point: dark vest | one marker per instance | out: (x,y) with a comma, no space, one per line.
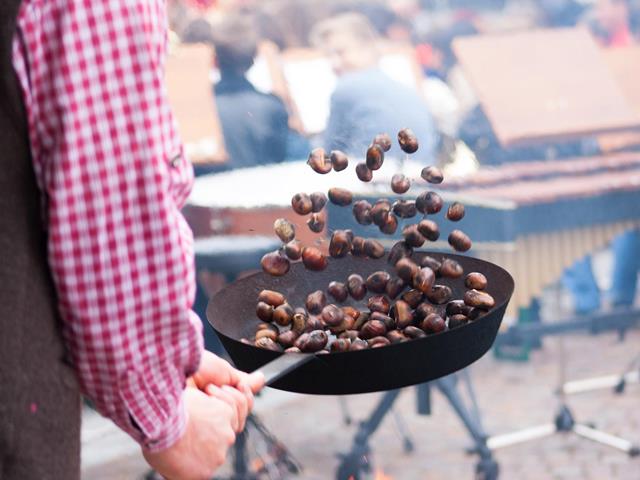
(39,400)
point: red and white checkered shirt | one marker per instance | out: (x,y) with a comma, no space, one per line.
(109,163)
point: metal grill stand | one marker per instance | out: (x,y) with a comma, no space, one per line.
(357,463)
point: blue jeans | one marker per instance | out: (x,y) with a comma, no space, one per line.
(626,249)
(580,281)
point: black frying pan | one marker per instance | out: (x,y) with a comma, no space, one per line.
(231,312)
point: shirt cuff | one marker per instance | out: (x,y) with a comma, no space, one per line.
(173,430)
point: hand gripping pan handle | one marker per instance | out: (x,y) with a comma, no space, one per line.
(281,366)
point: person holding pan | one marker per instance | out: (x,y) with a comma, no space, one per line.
(96,269)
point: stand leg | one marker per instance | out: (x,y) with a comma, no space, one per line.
(403,432)
(487,467)
(606,439)
(344,409)
(356,462)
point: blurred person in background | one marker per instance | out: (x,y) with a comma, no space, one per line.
(254,124)
(366,101)
(97,277)
(610,22)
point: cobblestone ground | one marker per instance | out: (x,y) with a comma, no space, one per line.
(510,395)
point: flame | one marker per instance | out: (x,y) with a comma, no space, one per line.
(380,475)
(257,465)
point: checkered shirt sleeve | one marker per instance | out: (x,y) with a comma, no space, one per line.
(110,167)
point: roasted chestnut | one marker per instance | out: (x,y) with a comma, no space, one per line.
(424,279)
(383,140)
(400,184)
(380,211)
(388,321)
(439,294)
(314,259)
(455,212)
(293,250)
(476,298)
(319,161)
(362,212)
(424,309)
(429,203)
(430,262)
(396,336)
(314,323)
(288,338)
(358,344)
(267,344)
(432,174)
(373,248)
(332,315)
(318,201)
(356,286)
(340,243)
(429,229)
(315,302)
(390,225)
(413,297)
(406,269)
(351,312)
(301,204)
(339,160)
(394,287)
(357,247)
(363,172)
(408,140)
(377,342)
(402,314)
(299,323)
(338,291)
(374,157)
(457,321)
(340,196)
(340,345)
(373,328)
(412,236)
(433,323)
(450,268)
(475,280)
(377,281)
(379,303)
(398,251)
(285,230)
(312,341)
(414,332)
(271,297)
(275,264)
(316,222)
(459,241)
(456,307)
(405,208)
(267,333)
(283,315)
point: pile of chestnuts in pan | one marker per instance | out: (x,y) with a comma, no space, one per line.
(403,303)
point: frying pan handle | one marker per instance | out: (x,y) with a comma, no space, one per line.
(281,366)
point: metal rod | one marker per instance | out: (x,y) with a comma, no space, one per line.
(603,438)
(520,436)
(607,381)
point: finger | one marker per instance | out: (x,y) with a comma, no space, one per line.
(242,404)
(218,393)
(256,381)
(213,369)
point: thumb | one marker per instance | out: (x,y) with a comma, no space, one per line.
(255,381)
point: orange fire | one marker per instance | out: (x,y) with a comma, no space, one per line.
(380,475)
